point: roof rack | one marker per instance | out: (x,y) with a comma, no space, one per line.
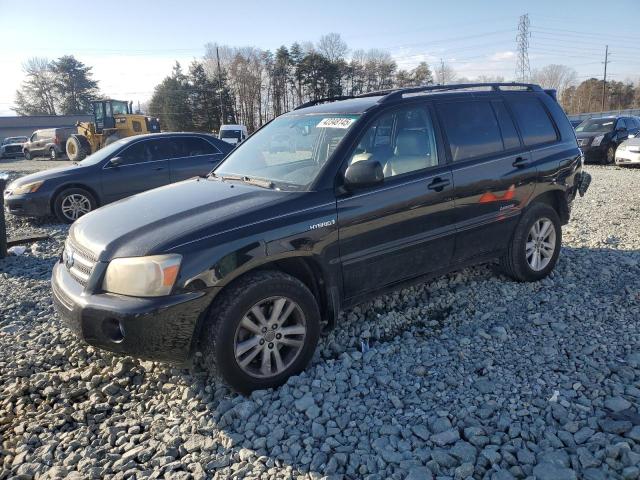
(398,93)
(392,94)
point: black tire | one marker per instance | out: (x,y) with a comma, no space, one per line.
(27,155)
(515,262)
(610,155)
(219,335)
(53,155)
(78,148)
(59,209)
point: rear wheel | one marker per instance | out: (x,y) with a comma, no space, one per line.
(261,331)
(72,203)
(535,246)
(77,148)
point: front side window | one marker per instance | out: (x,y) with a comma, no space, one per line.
(471,128)
(290,151)
(402,141)
(621,124)
(119,108)
(99,112)
(148,151)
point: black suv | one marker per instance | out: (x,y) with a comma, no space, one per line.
(599,137)
(247,264)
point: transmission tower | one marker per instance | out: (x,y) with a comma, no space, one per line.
(523,71)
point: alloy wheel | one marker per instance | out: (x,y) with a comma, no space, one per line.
(270,337)
(75,205)
(541,244)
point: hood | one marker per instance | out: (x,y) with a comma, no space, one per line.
(632,142)
(47,174)
(154,221)
(17,144)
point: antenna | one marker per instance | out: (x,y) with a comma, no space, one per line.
(523,71)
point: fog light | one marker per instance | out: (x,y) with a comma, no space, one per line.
(113,330)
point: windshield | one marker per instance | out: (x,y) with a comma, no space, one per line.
(9,140)
(119,108)
(596,125)
(230,134)
(290,151)
(104,152)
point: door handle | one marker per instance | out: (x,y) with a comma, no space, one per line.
(438,184)
(520,162)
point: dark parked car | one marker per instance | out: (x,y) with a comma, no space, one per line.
(247,264)
(11,147)
(123,168)
(48,142)
(599,137)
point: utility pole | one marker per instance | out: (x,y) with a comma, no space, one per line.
(604,82)
(442,82)
(523,71)
(219,86)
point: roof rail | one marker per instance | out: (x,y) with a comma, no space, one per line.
(323,100)
(398,93)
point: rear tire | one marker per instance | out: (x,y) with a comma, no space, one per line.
(236,341)
(72,203)
(531,257)
(78,148)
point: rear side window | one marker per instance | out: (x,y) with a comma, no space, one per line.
(194,146)
(471,128)
(534,122)
(507,128)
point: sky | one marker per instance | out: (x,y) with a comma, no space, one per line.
(133,44)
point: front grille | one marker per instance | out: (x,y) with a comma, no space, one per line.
(79,261)
(13,149)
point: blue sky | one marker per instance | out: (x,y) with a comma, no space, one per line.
(133,44)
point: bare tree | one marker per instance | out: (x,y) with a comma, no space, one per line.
(333,47)
(37,95)
(558,77)
(444,74)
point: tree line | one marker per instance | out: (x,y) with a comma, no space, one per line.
(251,86)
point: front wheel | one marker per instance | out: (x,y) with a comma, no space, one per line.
(27,155)
(535,246)
(72,203)
(611,154)
(53,154)
(261,331)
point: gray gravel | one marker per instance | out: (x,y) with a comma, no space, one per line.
(468,376)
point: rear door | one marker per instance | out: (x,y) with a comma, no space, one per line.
(402,228)
(144,165)
(492,172)
(195,157)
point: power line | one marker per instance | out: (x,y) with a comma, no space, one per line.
(523,70)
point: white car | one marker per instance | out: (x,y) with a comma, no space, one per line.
(628,153)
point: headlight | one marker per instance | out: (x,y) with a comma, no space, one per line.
(142,276)
(634,148)
(26,188)
(596,140)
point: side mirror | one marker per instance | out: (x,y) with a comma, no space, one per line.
(115,161)
(366,173)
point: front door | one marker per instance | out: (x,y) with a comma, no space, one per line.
(493,173)
(402,228)
(143,165)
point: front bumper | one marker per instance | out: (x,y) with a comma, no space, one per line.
(625,157)
(160,328)
(594,154)
(36,204)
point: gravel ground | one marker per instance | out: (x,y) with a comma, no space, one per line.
(23,166)
(468,376)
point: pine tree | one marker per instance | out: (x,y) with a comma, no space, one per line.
(74,85)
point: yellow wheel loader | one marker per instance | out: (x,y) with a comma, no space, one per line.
(112,120)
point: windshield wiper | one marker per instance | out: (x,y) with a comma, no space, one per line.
(245,179)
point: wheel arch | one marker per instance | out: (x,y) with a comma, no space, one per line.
(557,199)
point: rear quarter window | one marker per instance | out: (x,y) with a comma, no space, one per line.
(535,124)
(471,128)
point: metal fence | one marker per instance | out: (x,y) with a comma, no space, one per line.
(608,113)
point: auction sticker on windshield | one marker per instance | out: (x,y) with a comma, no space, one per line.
(335,123)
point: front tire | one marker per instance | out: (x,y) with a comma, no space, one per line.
(77,148)
(27,155)
(610,155)
(261,330)
(72,203)
(53,154)
(535,245)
